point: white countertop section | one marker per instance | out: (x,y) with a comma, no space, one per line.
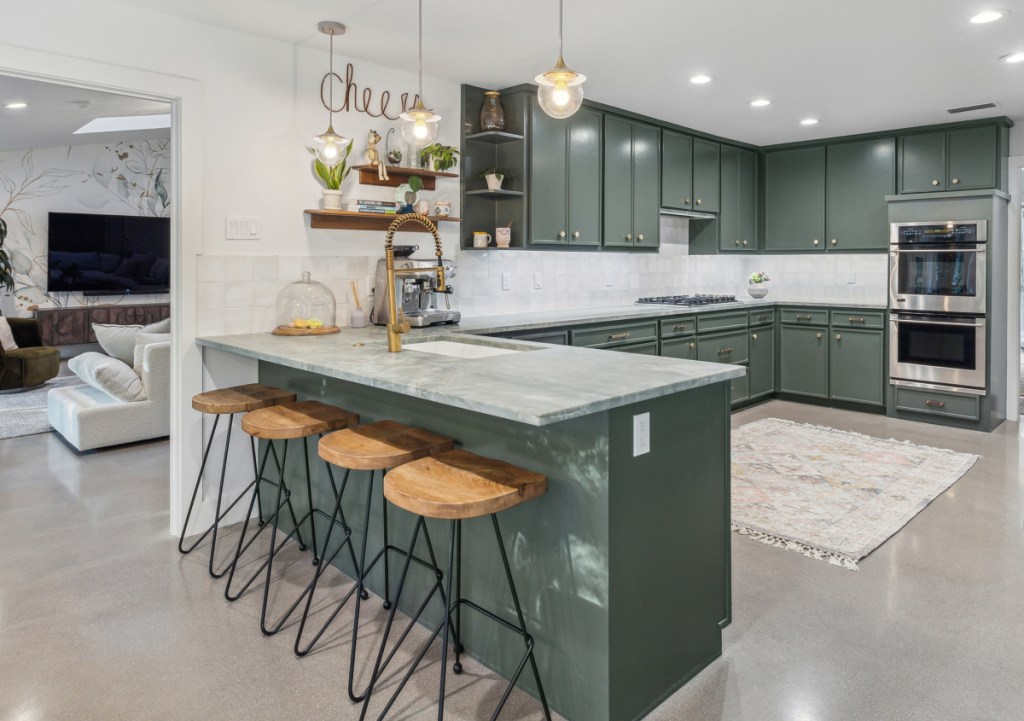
(540,385)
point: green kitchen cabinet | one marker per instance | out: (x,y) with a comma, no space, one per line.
(706,175)
(684,348)
(738,213)
(860,174)
(761,369)
(923,162)
(794,199)
(632,184)
(676,170)
(957,159)
(803,360)
(565,192)
(856,365)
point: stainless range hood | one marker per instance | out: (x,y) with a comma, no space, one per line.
(692,214)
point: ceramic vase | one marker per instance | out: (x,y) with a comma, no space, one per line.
(332,199)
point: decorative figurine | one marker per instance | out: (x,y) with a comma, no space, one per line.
(373,157)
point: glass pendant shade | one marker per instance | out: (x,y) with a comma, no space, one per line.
(329,147)
(419,125)
(560,90)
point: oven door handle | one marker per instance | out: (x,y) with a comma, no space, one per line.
(980,323)
(978,249)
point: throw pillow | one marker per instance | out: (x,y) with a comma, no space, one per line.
(6,336)
(117,341)
(142,340)
(161,326)
(109,375)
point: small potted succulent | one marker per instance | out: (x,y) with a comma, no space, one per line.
(758,286)
(406,193)
(439,158)
(332,175)
(495,177)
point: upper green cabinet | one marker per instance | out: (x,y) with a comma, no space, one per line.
(565,166)
(689,172)
(794,199)
(738,216)
(859,176)
(632,180)
(957,159)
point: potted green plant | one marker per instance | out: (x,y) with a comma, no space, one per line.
(6,268)
(495,177)
(439,157)
(759,282)
(332,176)
(407,193)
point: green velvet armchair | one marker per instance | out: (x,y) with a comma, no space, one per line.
(33,363)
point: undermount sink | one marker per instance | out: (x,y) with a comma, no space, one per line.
(462,348)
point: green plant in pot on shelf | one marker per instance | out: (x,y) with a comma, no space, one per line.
(758,286)
(6,267)
(440,158)
(332,172)
(494,177)
(406,193)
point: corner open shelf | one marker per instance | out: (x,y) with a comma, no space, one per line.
(495,193)
(398,175)
(351,220)
(494,137)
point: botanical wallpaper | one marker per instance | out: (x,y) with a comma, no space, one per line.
(122,178)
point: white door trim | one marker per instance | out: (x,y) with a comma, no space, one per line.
(1013,280)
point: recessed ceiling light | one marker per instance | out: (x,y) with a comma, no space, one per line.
(16,105)
(760,103)
(702,79)
(1013,58)
(129,122)
(809,121)
(989,16)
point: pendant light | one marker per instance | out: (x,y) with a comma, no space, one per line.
(560,90)
(419,125)
(329,145)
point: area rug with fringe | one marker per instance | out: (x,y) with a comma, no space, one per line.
(830,494)
(23,413)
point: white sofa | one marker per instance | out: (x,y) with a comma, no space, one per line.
(88,418)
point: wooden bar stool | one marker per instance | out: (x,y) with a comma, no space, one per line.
(455,486)
(286,422)
(375,447)
(227,401)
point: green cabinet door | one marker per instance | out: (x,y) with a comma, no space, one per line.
(803,361)
(685,348)
(761,370)
(548,174)
(706,175)
(728,216)
(794,196)
(857,366)
(860,175)
(617,219)
(584,177)
(746,198)
(646,185)
(676,170)
(923,162)
(973,158)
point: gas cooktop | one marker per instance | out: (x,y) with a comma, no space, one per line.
(699,299)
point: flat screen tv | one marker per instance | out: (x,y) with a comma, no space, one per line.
(108,254)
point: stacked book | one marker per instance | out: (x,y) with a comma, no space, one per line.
(379,207)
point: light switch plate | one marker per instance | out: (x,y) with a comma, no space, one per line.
(851,278)
(506,281)
(241,227)
(641,434)
(538,281)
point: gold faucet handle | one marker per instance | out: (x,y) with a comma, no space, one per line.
(400,328)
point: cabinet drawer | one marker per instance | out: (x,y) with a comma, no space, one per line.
(858,319)
(938,403)
(724,348)
(678,326)
(613,335)
(762,317)
(714,322)
(805,316)
(647,348)
(685,348)
(554,337)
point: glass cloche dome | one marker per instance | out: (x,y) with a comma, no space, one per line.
(306,307)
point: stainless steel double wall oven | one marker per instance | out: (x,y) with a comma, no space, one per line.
(937,303)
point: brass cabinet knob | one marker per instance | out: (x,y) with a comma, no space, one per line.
(935,182)
(640,238)
(818,336)
(629,236)
(687,201)
(561,234)
(693,346)
(835,242)
(839,336)
(736,242)
(744,242)
(816,241)
(699,201)
(955,181)
(575,234)
(753,336)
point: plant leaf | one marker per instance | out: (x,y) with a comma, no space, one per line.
(25,220)
(7,183)
(26,164)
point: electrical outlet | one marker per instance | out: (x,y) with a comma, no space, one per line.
(641,434)
(538,282)
(851,278)
(241,227)
(506,281)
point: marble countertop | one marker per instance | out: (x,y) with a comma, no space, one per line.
(540,385)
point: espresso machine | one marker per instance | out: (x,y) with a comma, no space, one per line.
(417,296)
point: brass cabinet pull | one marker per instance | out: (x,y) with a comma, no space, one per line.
(839,336)
(561,234)
(955,181)
(763,317)
(576,234)
(640,238)
(744,242)
(818,336)
(682,326)
(835,242)
(687,201)
(699,201)
(816,241)
(736,242)
(693,346)
(618,336)
(726,351)
(803,317)
(935,404)
(753,336)
(629,236)
(856,320)
(935,182)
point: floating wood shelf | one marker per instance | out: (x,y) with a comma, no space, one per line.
(494,137)
(495,193)
(351,220)
(398,175)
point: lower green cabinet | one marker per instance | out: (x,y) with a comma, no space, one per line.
(761,371)
(739,388)
(856,362)
(684,348)
(803,361)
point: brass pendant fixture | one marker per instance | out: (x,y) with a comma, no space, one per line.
(329,144)
(560,90)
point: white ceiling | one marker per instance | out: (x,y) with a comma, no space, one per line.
(859,65)
(55,112)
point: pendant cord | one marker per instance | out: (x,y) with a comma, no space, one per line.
(330,109)
(561,13)
(421,49)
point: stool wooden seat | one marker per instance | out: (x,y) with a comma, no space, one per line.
(240,399)
(381,445)
(460,484)
(297,420)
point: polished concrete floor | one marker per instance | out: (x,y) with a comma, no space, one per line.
(101,618)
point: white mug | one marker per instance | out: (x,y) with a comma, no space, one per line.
(503,237)
(481,239)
